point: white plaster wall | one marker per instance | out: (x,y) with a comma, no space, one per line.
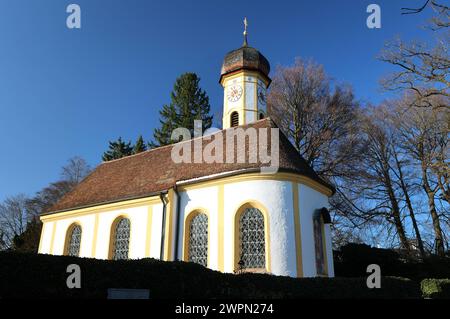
(46,237)
(87,235)
(329,252)
(155,241)
(276,197)
(138,218)
(138,227)
(204,199)
(310,200)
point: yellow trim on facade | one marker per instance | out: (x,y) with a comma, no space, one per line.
(186,227)
(52,238)
(94,241)
(281,176)
(221,225)
(168,241)
(236,241)
(41,238)
(149,231)
(297,231)
(102,208)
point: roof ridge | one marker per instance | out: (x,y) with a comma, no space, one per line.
(267,119)
(137,154)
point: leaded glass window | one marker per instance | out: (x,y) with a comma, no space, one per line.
(252,239)
(73,248)
(198,239)
(318,242)
(121,239)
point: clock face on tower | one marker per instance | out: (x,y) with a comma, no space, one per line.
(234,93)
(261,96)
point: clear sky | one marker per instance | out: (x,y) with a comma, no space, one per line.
(67,92)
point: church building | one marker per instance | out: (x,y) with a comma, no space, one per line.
(231,217)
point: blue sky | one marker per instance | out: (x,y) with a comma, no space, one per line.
(67,92)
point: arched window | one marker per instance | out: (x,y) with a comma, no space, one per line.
(261,116)
(234,119)
(198,239)
(252,240)
(121,239)
(73,241)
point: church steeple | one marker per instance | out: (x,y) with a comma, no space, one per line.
(245,79)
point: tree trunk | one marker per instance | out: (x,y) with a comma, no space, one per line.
(434,215)
(396,214)
(410,207)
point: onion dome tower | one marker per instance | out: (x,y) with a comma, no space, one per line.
(245,79)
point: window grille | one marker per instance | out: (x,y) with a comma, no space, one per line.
(198,239)
(252,239)
(234,119)
(121,239)
(74,241)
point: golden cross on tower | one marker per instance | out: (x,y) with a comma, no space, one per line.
(245,31)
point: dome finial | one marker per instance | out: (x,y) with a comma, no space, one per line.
(245,32)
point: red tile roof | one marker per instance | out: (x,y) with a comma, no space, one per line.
(153,171)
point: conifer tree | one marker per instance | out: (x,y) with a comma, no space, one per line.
(117,149)
(139,146)
(188,103)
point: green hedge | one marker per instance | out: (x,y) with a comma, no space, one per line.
(44,276)
(352,260)
(436,288)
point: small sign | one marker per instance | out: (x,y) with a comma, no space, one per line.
(119,293)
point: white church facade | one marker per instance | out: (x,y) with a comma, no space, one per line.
(230,217)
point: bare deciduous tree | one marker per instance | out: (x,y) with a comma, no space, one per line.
(318,120)
(14,217)
(424,136)
(376,180)
(75,170)
(441,18)
(19,216)
(424,71)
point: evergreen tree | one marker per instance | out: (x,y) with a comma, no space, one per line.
(188,103)
(139,146)
(117,149)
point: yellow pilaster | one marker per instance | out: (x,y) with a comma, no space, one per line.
(94,241)
(168,241)
(53,238)
(297,230)
(149,231)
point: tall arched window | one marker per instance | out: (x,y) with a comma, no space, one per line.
(234,119)
(121,239)
(252,239)
(198,239)
(320,218)
(73,241)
